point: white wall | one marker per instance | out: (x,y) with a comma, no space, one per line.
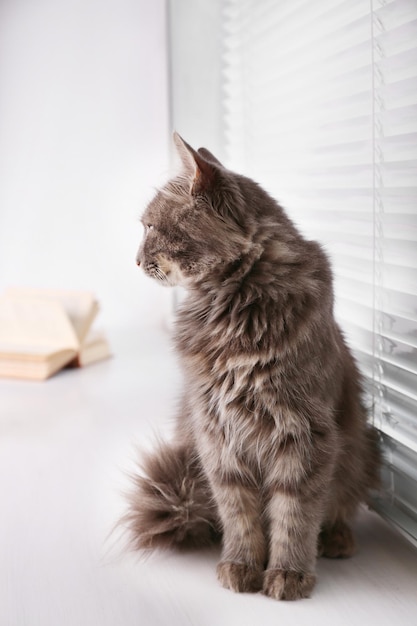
(196,70)
(83,141)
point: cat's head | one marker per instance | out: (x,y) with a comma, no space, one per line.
(198,223)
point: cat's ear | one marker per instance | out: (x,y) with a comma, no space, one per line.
(198,168)
(209,156)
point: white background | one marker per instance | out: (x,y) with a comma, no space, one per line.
(84,139)
(197,61)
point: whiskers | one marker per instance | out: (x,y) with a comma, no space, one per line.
(154,271)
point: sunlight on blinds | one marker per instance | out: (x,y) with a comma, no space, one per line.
(320,106)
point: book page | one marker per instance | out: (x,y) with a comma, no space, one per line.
(94,348)
(80,306)
(34,323)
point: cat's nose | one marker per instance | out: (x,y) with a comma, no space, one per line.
(138,262)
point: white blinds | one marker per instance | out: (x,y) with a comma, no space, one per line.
(320,105)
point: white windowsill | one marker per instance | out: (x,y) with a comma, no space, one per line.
(65,446)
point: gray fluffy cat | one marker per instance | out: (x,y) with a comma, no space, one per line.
(272,452)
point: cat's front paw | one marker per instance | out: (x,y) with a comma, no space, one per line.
(239,577)
(286,585)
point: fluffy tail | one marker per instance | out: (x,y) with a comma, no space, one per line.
(171,503)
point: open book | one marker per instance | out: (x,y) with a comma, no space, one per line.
(44,330)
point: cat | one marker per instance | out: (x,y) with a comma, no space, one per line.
(272,452)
